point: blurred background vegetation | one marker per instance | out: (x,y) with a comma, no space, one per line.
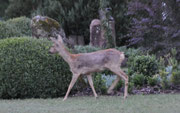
(138,22)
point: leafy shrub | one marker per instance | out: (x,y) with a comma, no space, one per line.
(143,64)
(169,70)
(175,79)
(130,87)
(152,81)
(22,24)
(6,30)
(164,80)
(100,83)
(138,79)
(15,27)
(27,70)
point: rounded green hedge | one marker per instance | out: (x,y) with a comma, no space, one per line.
(143,64)
(15,27)
(27,70)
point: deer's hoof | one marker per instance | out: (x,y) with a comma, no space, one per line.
(64,99)
(125,97)
(109,92)
(96,97)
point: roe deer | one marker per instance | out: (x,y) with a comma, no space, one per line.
(87,63)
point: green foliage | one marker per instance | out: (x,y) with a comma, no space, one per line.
(143,64)
(130,87)
(169,70)
(105,16)
(6,30)
(75,16)
(155,25)
(164,81)
(152,81)
(17,8)
(175,79)
(3,6)
(15,27)
(119,85)
(99,83)
(22,24)
(27,70)
(138,79)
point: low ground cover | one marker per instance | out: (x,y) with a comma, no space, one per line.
(164,103)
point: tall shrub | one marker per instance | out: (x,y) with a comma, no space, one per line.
(27,70)
(15,27)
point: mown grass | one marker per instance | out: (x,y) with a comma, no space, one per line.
(169,103)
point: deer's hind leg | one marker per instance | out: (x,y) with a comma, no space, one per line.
(113,85)
(119,74)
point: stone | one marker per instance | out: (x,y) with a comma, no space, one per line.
(45,27)
(96,34)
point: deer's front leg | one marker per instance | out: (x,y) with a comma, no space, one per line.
(91,84)
(73,81)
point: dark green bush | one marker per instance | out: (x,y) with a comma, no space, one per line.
(15,27)
(6,30)
(144,64)
(138,79)
(152,81)
(22,24)
(130,87)
(175,79)
(27,70)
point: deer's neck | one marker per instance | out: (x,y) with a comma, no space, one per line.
(64,53)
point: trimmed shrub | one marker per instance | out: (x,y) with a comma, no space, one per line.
(27,70)
(143,64)
(6,30)
(22,25)
(15,27)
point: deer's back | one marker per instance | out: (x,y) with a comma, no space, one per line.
(98,60)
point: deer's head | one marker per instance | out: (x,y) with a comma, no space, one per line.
(53,49)
(56,44)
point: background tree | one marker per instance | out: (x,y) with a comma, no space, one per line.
(155,25)
(3,6)
(18,8)
(74,15)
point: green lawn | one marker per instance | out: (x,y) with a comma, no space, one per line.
(104,104)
